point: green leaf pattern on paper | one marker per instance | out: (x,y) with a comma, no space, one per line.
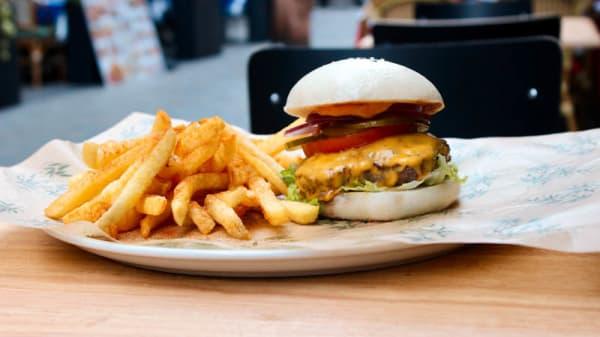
(57,170)
(10,208)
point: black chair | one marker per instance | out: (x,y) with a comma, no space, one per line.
(198,28)
(260,14)
(399,32)
(494,88)
(428,10)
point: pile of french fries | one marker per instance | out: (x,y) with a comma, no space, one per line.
(204,174)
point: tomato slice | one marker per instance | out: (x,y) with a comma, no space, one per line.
(357,139)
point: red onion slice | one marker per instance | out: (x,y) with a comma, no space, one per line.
(302,129)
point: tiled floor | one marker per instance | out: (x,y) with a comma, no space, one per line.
(209,86)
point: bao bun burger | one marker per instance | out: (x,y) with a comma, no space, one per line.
(368,153)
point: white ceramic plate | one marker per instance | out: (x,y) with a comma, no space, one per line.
(250,262)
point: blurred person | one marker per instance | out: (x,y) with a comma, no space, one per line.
(291,21)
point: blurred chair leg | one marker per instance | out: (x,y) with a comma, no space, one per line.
(37,59)
(566,102)
(260,13)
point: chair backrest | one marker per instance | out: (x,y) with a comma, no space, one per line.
(399,32)
(430,10)
(492,88)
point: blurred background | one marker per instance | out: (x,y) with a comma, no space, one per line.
(70,69)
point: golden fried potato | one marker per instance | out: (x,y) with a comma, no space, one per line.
(272,208)
(159,186)
(170,173)
(193,161)
(141,180)
(130,220)
(179,128)
(301,212)
(224,153)
(187,187)
(239,172)
(226,217)
(162,122)
(93,209)
(89,153)
(151,205)
(150,222)
(275,143)
(264,164)
(75,180)
(233,197)
(196,134)
(94,183)
(201,218)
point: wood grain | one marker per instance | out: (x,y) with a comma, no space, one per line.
(49,288)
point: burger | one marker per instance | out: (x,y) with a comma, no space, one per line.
(369,155)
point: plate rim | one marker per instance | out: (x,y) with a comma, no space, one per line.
(229,254)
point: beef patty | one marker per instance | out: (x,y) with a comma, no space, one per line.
(388,162)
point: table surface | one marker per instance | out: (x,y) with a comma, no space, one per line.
(50,288)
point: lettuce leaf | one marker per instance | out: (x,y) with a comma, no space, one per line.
(293,193)
(444,171)
(361,186)
(289,175)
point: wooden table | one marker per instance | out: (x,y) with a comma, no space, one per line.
(50,288)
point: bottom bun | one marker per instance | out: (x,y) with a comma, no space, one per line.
(391,205)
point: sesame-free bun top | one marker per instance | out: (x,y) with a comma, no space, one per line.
(361,87)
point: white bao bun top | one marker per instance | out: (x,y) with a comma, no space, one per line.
(361,80)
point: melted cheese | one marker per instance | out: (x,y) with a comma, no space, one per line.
(404,150)
(382,162)
(365,110)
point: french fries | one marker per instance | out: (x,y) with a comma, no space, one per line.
(201,218)
(93,209)
(152,205)
(159,186)
(141,180)
(90,154)
(94,183)
(162,122)
(197,134)
(301,212)
(108,151)
(78,178)
(275,143)
(224,153)
(233,197)
(274,211)
(204,174)
(226,217)
(193,161)
(129,221)
(239,172)
(264,164)
(186,188)
(150,222)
